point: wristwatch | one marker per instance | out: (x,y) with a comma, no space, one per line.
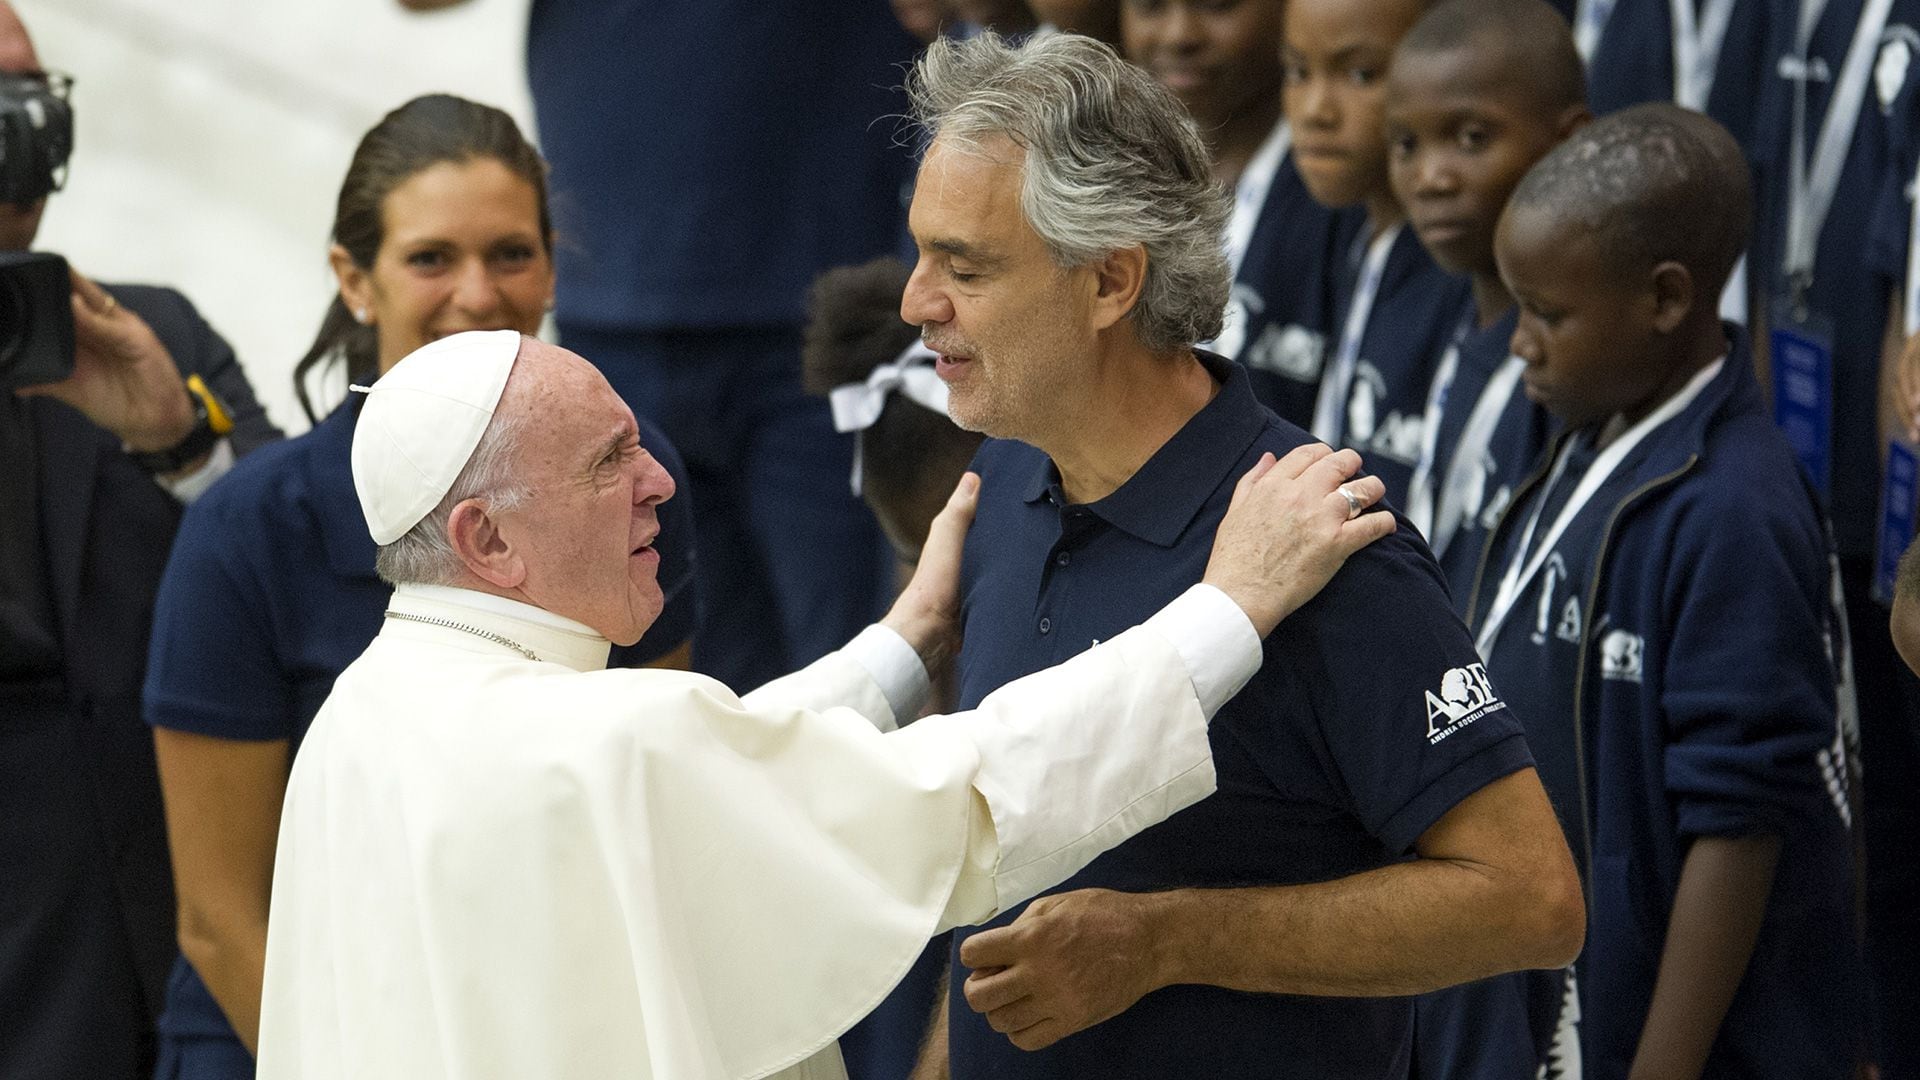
(211,423)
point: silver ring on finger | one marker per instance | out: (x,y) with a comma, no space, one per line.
(1354,505)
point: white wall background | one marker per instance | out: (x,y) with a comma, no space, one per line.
(211,137)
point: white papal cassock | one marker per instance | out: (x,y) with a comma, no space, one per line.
(493,866)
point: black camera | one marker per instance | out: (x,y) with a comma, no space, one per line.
(36,319)
(36,135)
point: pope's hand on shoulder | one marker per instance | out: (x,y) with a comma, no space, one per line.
(1067,963)
(927,614)
(1291,524)
(123,380)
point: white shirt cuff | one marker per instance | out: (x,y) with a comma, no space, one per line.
(1215,639)
(896,668)
(195,484)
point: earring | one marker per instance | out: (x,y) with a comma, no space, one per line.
(360,315)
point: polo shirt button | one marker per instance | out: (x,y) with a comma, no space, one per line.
(1062,559)
(1046,624)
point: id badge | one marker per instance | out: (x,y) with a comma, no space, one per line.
(1896,518)
(1801,356)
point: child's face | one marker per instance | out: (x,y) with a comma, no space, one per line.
(1460,134)
(1335,64)
(1219,57)
(1584,326)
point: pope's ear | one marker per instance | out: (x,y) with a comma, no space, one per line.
(476,539)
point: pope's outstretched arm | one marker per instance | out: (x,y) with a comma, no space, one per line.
(493,864)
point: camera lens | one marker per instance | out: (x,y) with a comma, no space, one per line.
(16,322)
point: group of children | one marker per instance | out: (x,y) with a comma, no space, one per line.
(1623,374)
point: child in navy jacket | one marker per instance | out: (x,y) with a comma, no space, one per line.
(1655,604)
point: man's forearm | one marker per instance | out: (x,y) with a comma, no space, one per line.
(1717,911)
(1403,929)
(933,1063)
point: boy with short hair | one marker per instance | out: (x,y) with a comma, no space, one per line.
(1396,311)
(1479,90)
(1220,58)
(1655,605)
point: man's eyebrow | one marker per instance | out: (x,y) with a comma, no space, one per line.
(606,448)
(960,249)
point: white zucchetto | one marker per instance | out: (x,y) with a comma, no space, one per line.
(421,422)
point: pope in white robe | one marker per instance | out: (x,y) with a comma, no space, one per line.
(499,859)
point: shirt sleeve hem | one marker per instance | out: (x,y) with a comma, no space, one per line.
(197,719)
(1494,762)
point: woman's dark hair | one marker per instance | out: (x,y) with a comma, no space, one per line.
(912,456)
(425,132)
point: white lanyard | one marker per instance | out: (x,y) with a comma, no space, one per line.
(1330,409)
(1250,192)
(1696,49)
(1913,263)
(1590,20)
(1811,195)
(1473,448)
(1521,569)
(1420,491)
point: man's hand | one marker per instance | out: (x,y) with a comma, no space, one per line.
(123,378)
(1067,963)
(927,614)
(1289,529)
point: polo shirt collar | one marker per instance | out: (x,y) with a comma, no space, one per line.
(1163,497)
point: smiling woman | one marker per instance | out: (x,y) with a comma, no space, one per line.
(271,590)
(442,225)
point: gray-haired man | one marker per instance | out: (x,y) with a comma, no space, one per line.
(1379,829)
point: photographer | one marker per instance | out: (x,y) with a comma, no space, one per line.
(94,467)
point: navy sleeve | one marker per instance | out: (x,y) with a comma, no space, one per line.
(681,615)
(1408,720)
(200,350)
(1746,689)
(212,665)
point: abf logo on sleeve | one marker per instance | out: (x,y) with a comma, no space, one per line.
(1465,696)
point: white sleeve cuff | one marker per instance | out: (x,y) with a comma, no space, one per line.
(895,667)
(195,484)
(1215,639)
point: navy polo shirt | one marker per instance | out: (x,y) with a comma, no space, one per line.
(270,593)
(1367,722)
(1284,293)
(1412,323)
(709,157)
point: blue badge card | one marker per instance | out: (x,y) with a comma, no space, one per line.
(1802,361)
(1896,517)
